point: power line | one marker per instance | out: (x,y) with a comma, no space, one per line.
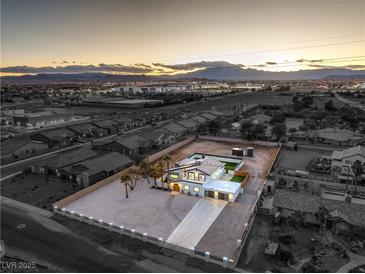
(255,47)
(291,64)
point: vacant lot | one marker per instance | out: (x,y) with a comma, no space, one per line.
(254,260)
(298,160)
(37,190)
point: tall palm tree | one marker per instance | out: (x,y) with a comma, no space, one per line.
(156,171)
(357,169)
(145,169)
(124,179)
(167,158)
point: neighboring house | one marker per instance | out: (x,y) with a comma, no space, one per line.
(157,137)
(176,129)
(87,130)
(91,171)
(109,126)
(18,149)
(203,177)
(189,124)
(131,145)
(64,159)
(261,119)
(337,137)
(342,160)
(57,137)
(199,119)
(208,116)
(341,214)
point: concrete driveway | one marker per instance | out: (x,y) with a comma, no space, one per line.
(193,227)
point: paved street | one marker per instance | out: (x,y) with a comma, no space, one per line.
(48,243)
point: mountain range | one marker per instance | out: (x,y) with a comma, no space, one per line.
(217,73)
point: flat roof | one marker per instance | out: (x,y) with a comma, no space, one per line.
(222,186)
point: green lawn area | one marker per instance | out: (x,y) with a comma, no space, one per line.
(229,165)
(237,179)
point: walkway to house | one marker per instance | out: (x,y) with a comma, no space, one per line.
(193,227)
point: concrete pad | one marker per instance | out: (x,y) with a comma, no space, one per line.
(193,227)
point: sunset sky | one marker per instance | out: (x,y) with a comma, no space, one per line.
(267,34)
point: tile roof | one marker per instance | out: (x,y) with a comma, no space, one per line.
(188,123)
(335,134)
(107,162)
(356,150)
(311,203)
(57,134)
(175,128)
(69,158)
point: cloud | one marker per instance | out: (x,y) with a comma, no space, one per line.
(106,68)
(271,63)
(197,65)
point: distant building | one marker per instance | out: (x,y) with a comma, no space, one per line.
(87,130)
(41,119)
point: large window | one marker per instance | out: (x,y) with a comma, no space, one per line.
(201,177)
(191,175)
(196,189)
(187,188)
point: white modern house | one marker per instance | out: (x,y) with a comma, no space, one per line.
(205,176)
(342,160)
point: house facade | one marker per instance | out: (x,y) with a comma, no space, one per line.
(341,161)
(202,177)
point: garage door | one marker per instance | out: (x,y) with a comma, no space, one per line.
(222,196)
(209,193)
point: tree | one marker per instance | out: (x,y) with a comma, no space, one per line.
(245,130)
(329,106)
(279,130)
(133,181)
(145,169)
(357,170)
(156,171)
(167,158)
(214,127)
(257,129)
(124,179)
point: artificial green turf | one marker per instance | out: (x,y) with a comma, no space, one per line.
(229,165)
(237,179)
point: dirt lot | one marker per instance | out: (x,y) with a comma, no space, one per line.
(37,190)
(298,160)
(253,258)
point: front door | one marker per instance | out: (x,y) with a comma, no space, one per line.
(176,187)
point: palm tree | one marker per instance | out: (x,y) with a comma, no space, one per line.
(357,170)
(167,158)
(124,179)
(145,169)
(156,171)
